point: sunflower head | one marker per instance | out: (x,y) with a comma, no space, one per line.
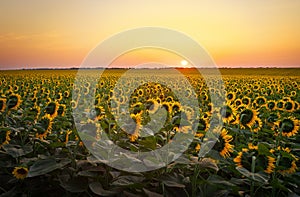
(223,145)
(61,109)
(230,96)
(2,104)
(52,108)
(4,137)
(14,101)
(289,126)
(271,105)
(247,117)
(289,105)
(45,126)
(20,172)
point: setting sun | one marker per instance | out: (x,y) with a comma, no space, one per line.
(184,63)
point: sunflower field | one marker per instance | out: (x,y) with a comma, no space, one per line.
(256,150)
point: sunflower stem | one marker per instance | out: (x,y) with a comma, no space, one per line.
(252,181)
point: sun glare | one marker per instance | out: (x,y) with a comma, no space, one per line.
(184,63)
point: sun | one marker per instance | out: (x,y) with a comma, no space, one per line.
(184,63)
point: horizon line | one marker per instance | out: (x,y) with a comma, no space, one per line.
(171,67)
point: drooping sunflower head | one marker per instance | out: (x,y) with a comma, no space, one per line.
(288,126)
(45,126)
(247,117)
(2,104)
(227,113)
(151,105)
(61,109)
(13,101)
(20,172)
(4,137)
(52,108)
(202,127)
(262,162)
(287,161)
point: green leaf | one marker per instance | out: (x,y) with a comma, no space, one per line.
(263,149)
(44,166)
(259,177)
(97,188)
(77,184)
(16,151)
(148,142)
(208,163)
(173,184)
(127,180)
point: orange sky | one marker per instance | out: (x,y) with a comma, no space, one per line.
(236,33)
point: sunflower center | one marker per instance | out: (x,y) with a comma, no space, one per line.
(13,101)
(271,105)
(22,171)
(1,104)
(246,116)
(50,109)
(288,106)
(285,162)
(287,125)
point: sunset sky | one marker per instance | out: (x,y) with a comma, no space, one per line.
(59,33)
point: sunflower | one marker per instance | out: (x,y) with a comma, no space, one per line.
(74,104)
(289,105)
(247,117)
(238,159)
(20,172)
(99,112)
(271,165)
(280,104)
(202,127)
(230,96)
(176,107)
(223,145)
(238,102)
(4,137)
(289,126)
(167,106)
(271,105)
(257,125)
(287,161)
(227,113)
(140,92)
(2,104)
(261,101)
(61,109)
(13,101)
(262,162)
(138,120)
(52,108)
(46,126)
(151,106)
(293,93)
(246,101)
(66,94)
(59,96)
